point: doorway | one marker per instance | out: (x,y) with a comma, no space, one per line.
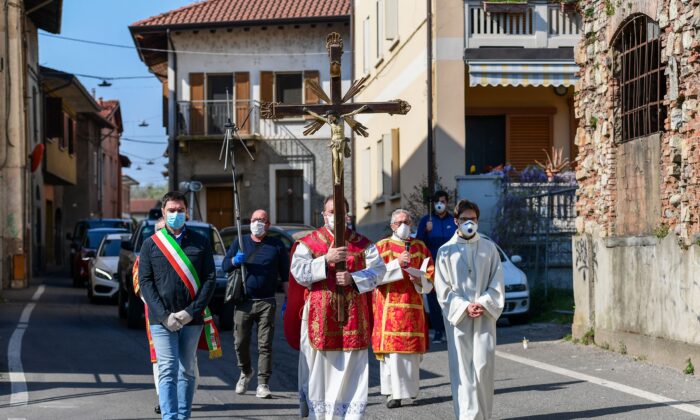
(220,206)
(289,195)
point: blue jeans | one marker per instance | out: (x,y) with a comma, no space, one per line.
(176,353)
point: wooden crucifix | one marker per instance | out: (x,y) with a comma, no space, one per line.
(335,112)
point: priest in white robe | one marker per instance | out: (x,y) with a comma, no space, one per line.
(470,290)
(333,361)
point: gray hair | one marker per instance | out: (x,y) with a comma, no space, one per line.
(401,211)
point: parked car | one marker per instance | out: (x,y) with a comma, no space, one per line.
(517,302)
(130,306)
(288,233)
(80,229)
(103,282)
(87,251)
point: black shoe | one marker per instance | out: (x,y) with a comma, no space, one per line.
(157,409)
(393,404)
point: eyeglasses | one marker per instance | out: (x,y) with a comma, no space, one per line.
(399,222)
(258,220)
(465,219)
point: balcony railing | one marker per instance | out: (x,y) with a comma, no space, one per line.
(540,25)
(208,118)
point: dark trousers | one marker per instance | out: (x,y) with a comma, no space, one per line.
(261,312)
(436,321)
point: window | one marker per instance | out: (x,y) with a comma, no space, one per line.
(380,28)
(391,28)
(365,45)
(219,86)
(364,171)
(288,88)
(639,82)
(70,136)
(54,118)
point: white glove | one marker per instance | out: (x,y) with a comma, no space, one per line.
(184,317)
(172,324)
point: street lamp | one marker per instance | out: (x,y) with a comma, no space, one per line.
(104,83)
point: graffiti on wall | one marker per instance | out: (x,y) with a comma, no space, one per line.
(586,261)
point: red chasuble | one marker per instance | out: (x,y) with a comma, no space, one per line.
(399,316)
(325,333)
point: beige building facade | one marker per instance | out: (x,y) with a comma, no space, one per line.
(486,88)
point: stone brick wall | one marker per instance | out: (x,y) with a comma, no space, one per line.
(599,156)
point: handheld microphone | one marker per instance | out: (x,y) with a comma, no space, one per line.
(407,248)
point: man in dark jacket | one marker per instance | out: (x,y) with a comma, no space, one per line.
(177,277)
(265,259)
(434,230)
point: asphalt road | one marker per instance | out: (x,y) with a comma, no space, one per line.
(80,362)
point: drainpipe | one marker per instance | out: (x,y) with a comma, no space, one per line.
(431,146)
(173,121)
(5,69)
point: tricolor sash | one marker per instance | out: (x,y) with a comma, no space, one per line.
(184,268)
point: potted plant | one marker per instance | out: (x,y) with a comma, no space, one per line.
(555,163)
(504,6)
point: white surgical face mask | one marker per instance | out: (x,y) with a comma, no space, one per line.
(469,228)
(403,231)
(439,207)
(330,221)
(257,228)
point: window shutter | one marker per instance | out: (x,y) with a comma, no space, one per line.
(266,86)
(54,118)
(527,138)
(196,103)
(242,80)
(309,96)
(387,180)
(391,27)
(395,162)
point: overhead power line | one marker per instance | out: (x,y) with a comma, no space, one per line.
(142,141)
(131,47)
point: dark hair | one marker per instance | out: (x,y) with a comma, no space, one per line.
(330,198)
(441,193)
(465,205)
(173,196)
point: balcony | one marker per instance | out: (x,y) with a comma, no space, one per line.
(539,25)
(208,118)
(61,168)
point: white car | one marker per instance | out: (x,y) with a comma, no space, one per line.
(103,281)
(517,305)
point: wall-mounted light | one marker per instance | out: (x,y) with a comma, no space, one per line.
(561,90)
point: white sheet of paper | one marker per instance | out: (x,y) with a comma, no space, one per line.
(418,272)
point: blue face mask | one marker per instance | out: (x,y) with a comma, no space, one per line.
(175,220)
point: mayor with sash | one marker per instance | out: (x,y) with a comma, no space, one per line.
(177,277)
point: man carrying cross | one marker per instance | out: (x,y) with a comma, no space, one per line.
(334,266)
(333,365)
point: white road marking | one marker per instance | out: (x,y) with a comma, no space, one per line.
(603,382)
(18,383)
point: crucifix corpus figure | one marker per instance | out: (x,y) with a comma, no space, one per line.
(340,147)
(332,268)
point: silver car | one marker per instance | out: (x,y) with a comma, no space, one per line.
(103,282)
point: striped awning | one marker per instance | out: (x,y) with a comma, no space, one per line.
(522,73)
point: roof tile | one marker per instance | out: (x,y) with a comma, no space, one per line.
(222,11)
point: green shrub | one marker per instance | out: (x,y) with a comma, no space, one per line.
(689,368)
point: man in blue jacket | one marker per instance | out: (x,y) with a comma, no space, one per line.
(177,277)
(434,230)
(266,260)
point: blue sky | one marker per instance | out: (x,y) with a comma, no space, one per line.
(108,21)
